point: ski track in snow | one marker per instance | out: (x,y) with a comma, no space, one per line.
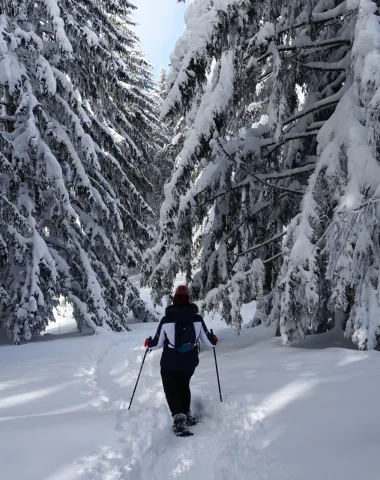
(229,443)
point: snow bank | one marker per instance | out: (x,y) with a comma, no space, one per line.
(63,403)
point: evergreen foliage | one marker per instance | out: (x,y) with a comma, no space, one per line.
(162,166)
(79,128)
(274,189)
(331,259)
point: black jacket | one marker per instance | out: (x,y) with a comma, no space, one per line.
(165,337)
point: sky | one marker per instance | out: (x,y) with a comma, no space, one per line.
(161,22)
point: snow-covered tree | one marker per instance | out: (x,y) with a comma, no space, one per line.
(161,83)
(331,258)
(201,215)
(163,160)
(79,129)
(255,82)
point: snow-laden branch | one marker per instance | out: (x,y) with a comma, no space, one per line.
(340,66)
(319,44)
(288,173)
(270,70)
(256,247)
(7,118)
(243,184)
(337,42)
(329,14)
(264,176)
(18,216)
(288,138)
(324,66)
(268,176)
(256,177)
(321,104)
(316,125)
(329,89)
(233,289)
(317,18)
(280,254)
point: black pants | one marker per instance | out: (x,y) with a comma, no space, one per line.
(177,390)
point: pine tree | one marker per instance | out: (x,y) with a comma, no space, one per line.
(255,83)
(78,130)
(200,210)
(163,159)
(331,258)
(161,84)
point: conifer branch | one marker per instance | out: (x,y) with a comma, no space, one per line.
(337,42)
(243,184)
(288,173)
(324,66)
(264,176)
(321,105)
(256,177)
(278,255)
(288,138)
(258,210)
(256,247)
(7,118)
(317,18)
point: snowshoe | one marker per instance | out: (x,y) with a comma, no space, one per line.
(180,427)
(190,420)
(186,433)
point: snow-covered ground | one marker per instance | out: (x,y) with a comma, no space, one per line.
(288,413)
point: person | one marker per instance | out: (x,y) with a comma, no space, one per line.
(178,334)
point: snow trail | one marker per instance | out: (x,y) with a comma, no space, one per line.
(228,443)
(284,410)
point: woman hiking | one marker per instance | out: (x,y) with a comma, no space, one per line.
(178,332)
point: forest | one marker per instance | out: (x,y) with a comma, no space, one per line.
(251,167)
(189,239)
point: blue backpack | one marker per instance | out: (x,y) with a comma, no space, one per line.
(185,338)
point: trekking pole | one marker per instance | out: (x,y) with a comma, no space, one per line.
(138,378)
(217,372)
